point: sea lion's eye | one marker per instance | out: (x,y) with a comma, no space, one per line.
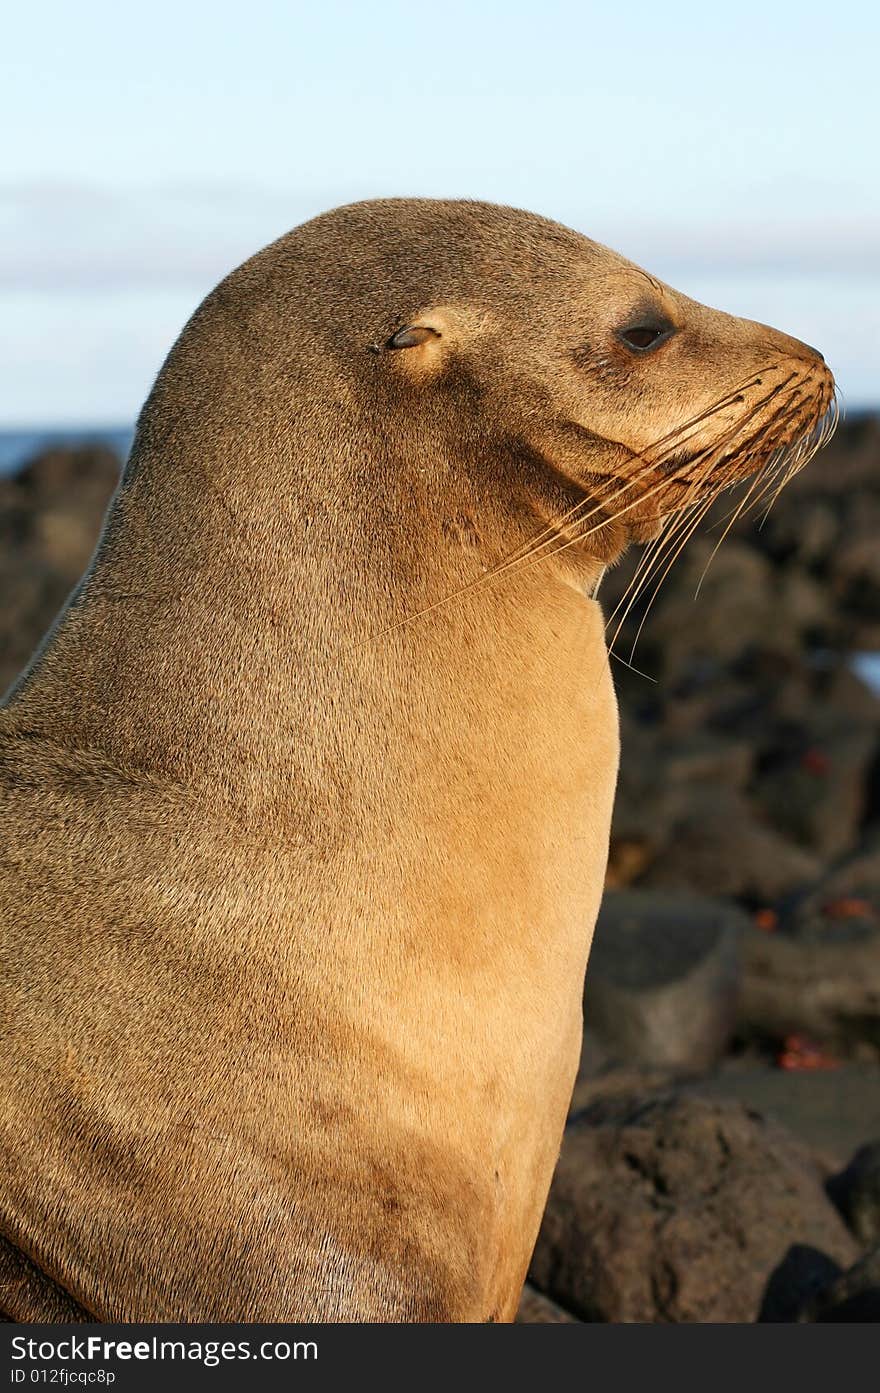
(643,336)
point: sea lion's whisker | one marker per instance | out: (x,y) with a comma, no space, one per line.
(672,441)
(801,460)
(772,473)
(782,463)
(707,456)
(647,456)
(644,563)
(736,513)
(654,552)
(638,671)
(651,558)
(667,541)
(581,537)
(511,562)
(774,463)
(507,563)
(708,453)
(782,475)
(650,550)
(541,547)
(655,560)
(544,539)
(773,426)
(690,521)
(701,513)
(551,531)
(709,460)
(756,480)
(606,522)
(728,399)
(809,445)
(736,427)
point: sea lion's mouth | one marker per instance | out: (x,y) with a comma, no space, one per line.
(688,479)
(677,462)
(687,472)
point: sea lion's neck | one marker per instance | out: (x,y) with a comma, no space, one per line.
(242,645)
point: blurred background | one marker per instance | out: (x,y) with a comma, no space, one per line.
(150,148)
(723,1157)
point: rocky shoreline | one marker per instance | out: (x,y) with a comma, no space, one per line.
(722,1159)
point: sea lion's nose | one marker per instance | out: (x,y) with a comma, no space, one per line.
(794,348)
(799,349)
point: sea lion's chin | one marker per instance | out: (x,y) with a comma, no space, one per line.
(608,543)
(647,528)
(642,524)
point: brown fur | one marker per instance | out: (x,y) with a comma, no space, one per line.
(298,889)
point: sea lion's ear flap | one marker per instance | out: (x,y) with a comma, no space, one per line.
(412,336)
(427,331)
(421,347)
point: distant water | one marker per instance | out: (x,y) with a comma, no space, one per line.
(867,667)
(17,446)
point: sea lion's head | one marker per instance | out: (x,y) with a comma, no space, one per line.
(563,383)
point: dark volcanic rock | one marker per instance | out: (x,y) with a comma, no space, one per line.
(601,1075)
(818,797)
(737,586)
(50,517)
(677,1209)
(856,1193)
(827,989)
(803,536)
(801,1276)
(645,806)
(857,569)
(704,758)
(619,1081)
(662,773)
(832,1111)
(846,902)
(536,1309)
(663,979)
(853,1297)
(720,847)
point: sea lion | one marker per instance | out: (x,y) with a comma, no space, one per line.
(306,799)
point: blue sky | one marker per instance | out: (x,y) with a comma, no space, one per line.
(149,148)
